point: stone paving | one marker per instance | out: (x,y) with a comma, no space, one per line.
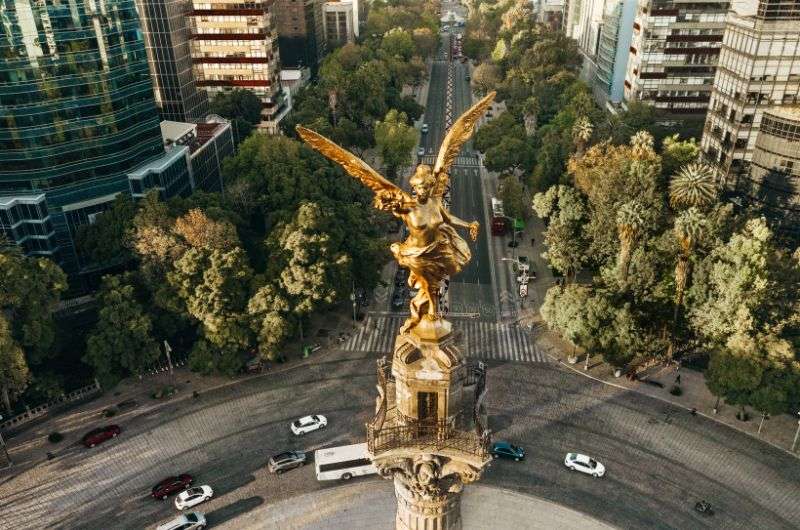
(370,504)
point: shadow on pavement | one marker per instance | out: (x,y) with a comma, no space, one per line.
(499,422)
(233,510)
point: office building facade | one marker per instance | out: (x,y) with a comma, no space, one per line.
(301,35)
(673,56)
(758,75)
(167,42)
(339,22)
(78,120)
(774,173)
(235,45)
(603,30)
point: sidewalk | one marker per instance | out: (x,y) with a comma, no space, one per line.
(779,431)
(29,447)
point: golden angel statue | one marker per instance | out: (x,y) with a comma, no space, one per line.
(433,250)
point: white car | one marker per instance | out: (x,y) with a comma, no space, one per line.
(584,464)
(421,151)
(193,497)
(308,424)
(189,521)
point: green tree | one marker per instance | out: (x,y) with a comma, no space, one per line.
(677,153)
(565,212)
(30,289)
(122,342)
(485,78)
(425,41)
(215,286)
(316,270)
(514,197)
(398,43)
(395,140)
(242,107)
(269,309)
(104,242)
(581,316)
(14,373)
(733,376)
(610,176)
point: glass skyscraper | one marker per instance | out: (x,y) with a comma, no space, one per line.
(77,119)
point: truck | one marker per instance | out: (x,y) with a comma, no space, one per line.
(499,219)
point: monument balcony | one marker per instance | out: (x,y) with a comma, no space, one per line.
(427,437)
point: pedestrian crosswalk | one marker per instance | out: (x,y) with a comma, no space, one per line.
(479,339)
(460,160)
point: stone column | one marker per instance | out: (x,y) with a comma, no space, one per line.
(414,512)
(429,439)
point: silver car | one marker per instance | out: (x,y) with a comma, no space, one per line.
(285,461)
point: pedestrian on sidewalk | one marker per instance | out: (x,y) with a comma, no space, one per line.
(533,240)
(678,379)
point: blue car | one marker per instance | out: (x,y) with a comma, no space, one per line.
(507,450)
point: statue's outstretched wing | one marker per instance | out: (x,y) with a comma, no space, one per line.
(353,165)
(456,137)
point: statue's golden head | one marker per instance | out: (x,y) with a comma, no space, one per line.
(422,182)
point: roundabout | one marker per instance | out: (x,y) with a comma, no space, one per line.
(660,460)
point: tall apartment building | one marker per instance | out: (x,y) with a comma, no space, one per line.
(673,55)
(603,30)
(774,175)
(339,22)
(758,73)
(552,13)
(235,45)
(167,36)
(301,35)
(78,122)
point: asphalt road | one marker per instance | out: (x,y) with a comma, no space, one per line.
(660,460)
(470,290)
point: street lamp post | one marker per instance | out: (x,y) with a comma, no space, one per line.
(167,350)
(513,235)
(353,299)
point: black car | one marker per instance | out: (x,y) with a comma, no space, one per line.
(285,461)
(397,299)
(507,450)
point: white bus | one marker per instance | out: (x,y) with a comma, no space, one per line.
(343,462)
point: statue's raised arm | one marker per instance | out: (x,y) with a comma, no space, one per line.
(388,197)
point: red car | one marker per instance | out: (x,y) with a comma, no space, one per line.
(100,435)
(171,485)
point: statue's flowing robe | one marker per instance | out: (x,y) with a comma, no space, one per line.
(445,256)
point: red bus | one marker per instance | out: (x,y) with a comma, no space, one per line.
(499,220)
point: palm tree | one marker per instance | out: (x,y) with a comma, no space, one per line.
(630,221)
(693,185)
(690,227)
(642,143)
(530,111)
(582,133)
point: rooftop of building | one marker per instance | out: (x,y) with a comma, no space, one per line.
(193,135)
